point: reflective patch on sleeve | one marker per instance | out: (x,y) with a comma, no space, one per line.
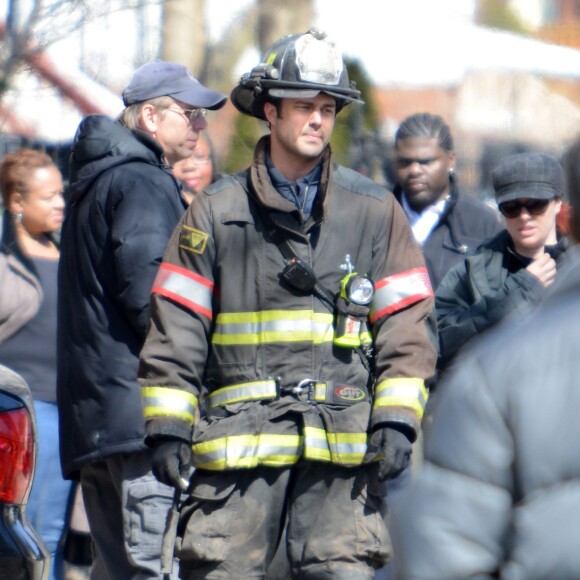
(168,402)
(399,291)
(192,240)
(409,392)
(184,287)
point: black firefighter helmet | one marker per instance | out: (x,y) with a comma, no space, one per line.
(298,65)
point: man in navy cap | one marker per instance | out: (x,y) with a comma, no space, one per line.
(512,270)
(123,204)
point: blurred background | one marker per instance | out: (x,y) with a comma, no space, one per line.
(504,74)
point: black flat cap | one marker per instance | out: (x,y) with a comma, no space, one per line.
(528,175)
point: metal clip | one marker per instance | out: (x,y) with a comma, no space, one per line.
(304,387)
(348,266)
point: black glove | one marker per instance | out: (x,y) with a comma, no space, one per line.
(171,462)
(392,448)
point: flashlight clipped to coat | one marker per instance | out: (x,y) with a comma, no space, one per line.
(353,306)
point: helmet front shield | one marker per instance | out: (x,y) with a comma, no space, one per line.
(299,65)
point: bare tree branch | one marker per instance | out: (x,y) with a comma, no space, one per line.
(33,26)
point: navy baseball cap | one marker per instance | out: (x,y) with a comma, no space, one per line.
(528,176)
(168,79)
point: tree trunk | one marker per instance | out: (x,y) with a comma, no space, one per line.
(277,18)
(184,34)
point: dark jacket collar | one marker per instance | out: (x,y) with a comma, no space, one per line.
(100,144)
(513,261)
(262,189)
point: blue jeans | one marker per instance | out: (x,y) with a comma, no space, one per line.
(50,496)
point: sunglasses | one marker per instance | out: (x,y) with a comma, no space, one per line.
(512,209)
(190,114)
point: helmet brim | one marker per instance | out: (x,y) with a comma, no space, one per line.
(247,101)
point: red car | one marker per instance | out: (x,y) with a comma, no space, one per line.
(23,555)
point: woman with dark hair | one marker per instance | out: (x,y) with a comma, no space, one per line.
(31,187)
(510,272)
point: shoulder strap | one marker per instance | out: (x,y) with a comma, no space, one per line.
(293,260)
(283,244)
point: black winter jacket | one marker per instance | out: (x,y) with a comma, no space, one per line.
(464,224)
(499,493)
(483,290)
(123,205)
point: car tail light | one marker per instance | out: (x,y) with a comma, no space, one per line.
(16,455)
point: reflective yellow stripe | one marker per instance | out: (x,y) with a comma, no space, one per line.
(402,392)
(168,402)
(340,448)
(269,326)
(348,448)
(366,337)
(399,291)
(316,444)
(319,392)
(245,451)
(241,392)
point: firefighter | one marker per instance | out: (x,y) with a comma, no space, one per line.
(263,307)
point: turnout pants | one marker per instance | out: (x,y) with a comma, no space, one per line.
(330,517)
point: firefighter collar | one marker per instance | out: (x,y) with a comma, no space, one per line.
(300,193)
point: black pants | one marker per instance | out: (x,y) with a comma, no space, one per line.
(233,521)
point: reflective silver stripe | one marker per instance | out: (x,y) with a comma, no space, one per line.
(315,437)
(340,448)
(239,451)
(402,392)
(167,402)
(315,444)
(268,326)
(185,287)
(243,392)
(343,449)
(272,326)
(399,291)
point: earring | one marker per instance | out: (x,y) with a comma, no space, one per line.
(451,172)
(18,217)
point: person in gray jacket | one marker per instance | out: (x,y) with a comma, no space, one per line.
(513,269)
(499,494)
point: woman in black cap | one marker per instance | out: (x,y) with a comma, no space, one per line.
(512,270)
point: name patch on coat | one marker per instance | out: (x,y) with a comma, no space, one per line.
(192,240)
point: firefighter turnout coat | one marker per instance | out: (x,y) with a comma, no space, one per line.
(228,337)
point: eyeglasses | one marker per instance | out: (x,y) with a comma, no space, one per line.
(199,160)
(512,209)
(190,114)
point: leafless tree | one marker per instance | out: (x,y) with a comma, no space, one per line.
(33,25)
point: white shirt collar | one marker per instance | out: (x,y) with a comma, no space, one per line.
(424,222)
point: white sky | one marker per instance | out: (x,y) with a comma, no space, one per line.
(367,29)
(415,42)
(340,14)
